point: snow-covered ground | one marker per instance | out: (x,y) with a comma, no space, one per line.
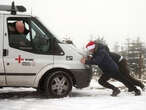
(93,97)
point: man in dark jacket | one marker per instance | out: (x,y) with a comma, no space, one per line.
(110,69)
(123,66)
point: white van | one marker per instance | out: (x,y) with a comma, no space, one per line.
(41,61)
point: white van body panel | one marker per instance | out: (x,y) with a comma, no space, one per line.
(60,61)
(2,72)
(41,73)
(26,69)
(63,61)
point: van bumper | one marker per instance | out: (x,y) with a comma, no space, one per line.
(82,77)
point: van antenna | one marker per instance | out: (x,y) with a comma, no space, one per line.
(13,10)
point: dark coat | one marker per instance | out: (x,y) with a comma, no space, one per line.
(116,57)
(102,46)
(102,58)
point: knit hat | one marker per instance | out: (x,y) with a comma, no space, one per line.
(90,45)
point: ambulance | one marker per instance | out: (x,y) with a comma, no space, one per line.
(43,63)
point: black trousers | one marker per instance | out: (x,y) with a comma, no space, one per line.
(123,67)
(117,76)
(122,76)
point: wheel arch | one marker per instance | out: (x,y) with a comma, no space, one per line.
(47,73)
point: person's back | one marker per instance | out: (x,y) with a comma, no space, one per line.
(116,57)
(102,46)
(105,62)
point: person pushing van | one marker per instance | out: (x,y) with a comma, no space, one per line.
(110,69)
(123,66)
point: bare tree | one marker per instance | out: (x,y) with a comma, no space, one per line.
(135,55)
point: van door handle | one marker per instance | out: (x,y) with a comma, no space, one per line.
(5,52)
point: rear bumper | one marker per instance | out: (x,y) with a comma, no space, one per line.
(82,77)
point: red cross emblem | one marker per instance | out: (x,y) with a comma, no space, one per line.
(19,59)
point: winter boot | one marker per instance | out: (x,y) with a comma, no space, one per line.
(137,92)
(115,92)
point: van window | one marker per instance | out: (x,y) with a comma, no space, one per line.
(19,34)
(43,40)
(40,40)
(33,38)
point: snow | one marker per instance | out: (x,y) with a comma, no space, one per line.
(94,97)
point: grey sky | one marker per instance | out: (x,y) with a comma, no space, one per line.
(78,19)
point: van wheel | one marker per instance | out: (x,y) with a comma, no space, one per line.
(58,84)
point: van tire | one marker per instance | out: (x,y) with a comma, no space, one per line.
(58,84)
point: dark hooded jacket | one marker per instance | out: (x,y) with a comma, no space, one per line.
(102,58)
(116,57)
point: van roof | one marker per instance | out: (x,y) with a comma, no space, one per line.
(12,8)
(18,15)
